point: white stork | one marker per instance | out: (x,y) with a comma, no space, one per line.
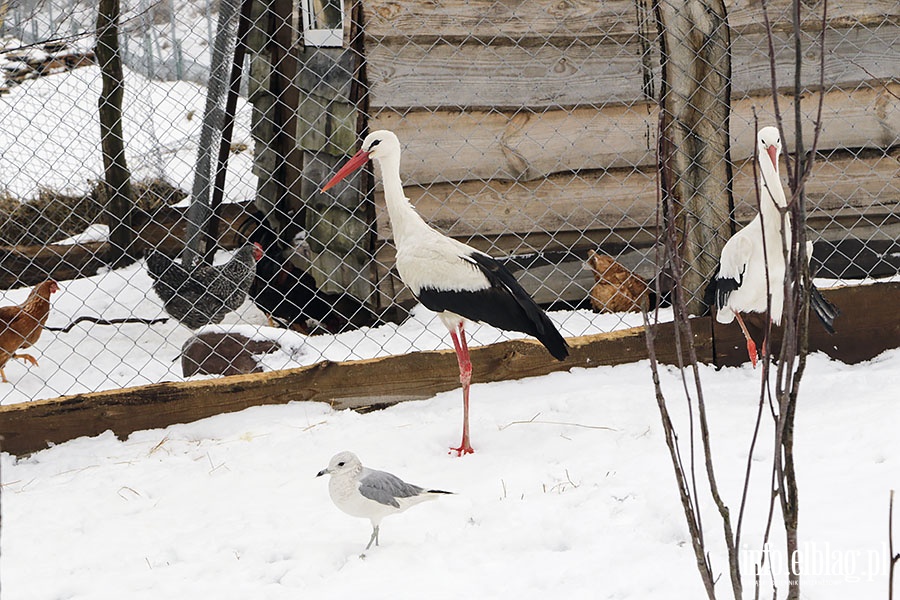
(454,280)
(740,283)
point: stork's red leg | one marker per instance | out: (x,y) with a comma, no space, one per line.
(751,345)
(465,378)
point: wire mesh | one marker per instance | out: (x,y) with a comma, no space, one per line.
(529,131)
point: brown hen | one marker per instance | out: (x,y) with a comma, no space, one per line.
(21,325)
(616,289)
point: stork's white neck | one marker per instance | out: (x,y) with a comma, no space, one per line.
(770,188)
(404,220)
(772,200)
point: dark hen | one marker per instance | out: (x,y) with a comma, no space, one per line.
(205,294)
(289,295)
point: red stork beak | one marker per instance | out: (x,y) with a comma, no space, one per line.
(356,161)
(773,154)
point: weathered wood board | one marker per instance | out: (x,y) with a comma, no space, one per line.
(622,199)
(360,385)
(422,75)
(489,19)
(501,74)
(453,146)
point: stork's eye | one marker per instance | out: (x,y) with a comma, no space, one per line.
(373,144)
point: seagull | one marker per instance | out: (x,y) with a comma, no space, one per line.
(453,279)
(369,494)
(740,284)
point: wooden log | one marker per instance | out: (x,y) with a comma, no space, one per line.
(867,326)
(854,56)
(747,17)
(446,146)
(549,73)
(416,75)
(360,385)
(624,200)
(489,19)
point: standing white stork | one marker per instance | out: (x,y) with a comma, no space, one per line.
(740,283)
(454,280)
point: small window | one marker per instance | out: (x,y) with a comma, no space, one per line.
(323,22)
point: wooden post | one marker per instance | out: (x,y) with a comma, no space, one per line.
(117,178)
(695,106)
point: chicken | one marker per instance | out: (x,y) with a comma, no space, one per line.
(205,294)
(288,294)
(616,289)
(21,325)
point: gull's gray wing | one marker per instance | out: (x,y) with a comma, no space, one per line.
(385,488)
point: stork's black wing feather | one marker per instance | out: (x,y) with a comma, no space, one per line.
(825,310)
(505,305)
(719,289)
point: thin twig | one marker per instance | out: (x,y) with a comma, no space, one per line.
(894,558)
(533,420)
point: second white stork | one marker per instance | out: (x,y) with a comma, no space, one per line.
(740,284)
(453,279)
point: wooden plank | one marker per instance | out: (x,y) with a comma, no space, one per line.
(417,75)
(453,146)
(421,74)
(564,201)
(745,17)
(867,326)
(490,19)
(854,56)
(361,385)
(840,182)
(458,146)
(339,228)
(847,185)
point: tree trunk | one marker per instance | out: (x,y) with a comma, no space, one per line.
(695,104)
(119,197)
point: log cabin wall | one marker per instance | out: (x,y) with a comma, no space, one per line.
(532,126)
(530,129)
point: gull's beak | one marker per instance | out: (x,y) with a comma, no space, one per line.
(322,472)
(355,162)
(773,154)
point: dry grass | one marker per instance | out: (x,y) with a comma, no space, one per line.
(54,216)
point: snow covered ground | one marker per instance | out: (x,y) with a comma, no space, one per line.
(569,495)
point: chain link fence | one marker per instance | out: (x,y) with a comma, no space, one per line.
(529,130)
